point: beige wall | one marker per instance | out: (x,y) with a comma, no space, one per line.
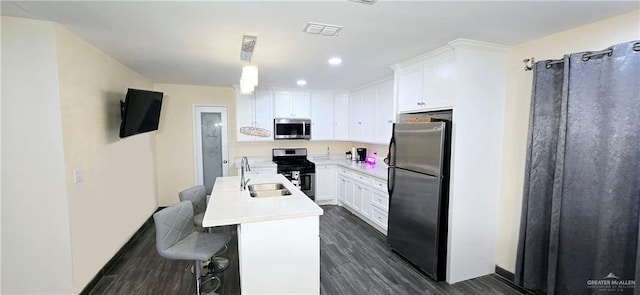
(118,193)
(595,36)
(174,139)
(36,249)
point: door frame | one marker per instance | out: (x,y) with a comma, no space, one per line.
(197,109)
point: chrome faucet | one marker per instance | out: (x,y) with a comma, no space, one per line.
(244,164)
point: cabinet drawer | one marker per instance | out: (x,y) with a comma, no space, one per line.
(362,178)
(380,200)
(345,172)
(379,217)
(380,185)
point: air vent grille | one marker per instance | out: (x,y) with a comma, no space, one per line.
(370,2)
(322,29)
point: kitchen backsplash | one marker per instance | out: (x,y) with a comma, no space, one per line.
(313,147)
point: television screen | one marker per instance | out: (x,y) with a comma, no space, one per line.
(140,112)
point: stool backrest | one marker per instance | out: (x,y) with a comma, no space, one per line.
(198,197)
(172,225)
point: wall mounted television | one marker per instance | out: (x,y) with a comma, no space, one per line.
(140,112)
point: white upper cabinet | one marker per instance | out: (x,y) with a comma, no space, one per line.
(384,114)
(356,104)
(341,116)
(292,104)
(301,107)
(254,110)
(426,83)
(371,113)
(322,116)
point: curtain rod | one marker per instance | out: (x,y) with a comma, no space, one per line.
(529,62)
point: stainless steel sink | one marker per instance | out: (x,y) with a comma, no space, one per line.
(265,186)
(270,193)
(262,190)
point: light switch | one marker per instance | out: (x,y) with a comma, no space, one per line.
(78,176)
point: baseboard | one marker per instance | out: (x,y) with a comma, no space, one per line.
(92,284)
(505,273)
(509,278)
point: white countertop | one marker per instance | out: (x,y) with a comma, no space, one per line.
(379,169)
(228,205)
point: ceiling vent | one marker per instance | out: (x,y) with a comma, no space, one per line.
(248,44)
(370,2)
(322,29)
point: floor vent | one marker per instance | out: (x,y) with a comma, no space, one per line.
(322,29)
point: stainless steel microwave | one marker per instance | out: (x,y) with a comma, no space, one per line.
(290,128)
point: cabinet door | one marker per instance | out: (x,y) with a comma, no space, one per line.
(384,113)
(355,116)
(367,196)
(342,188)
(438,81)
(367,110)
(341,117)
(410,87)
(322,116)
(348,192)
(244,115)
(264,112)
(301,105)
(357,196)
(283,104)
(326,183)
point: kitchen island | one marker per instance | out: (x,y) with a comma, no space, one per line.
(278,237)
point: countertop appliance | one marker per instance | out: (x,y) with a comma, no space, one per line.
(291,128)
(293,162)
(419,156)
(361,154)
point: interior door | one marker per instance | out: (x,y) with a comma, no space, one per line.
(211,144)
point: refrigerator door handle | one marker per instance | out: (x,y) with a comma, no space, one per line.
(391,175)
(392,151)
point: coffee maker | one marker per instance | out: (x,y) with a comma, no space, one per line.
(361,154)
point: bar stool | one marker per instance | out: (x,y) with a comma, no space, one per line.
(197,195)
(176,239)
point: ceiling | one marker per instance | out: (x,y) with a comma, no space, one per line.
(198,43)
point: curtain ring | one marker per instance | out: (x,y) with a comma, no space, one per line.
(636,46)
(586,57)
(547,65)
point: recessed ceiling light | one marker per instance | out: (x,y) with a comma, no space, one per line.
(335,61)
(301,82)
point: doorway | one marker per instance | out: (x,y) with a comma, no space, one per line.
(211,144)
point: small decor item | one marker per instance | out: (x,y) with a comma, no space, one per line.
(371,159)
(255,131)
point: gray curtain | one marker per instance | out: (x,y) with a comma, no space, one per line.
(580,215)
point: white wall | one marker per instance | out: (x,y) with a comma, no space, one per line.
(595,36)
(118,193)
(36,249)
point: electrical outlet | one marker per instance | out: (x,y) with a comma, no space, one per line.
(78,176)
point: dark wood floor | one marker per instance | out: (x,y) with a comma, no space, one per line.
(354,260)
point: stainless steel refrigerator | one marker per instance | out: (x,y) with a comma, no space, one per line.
(418,187)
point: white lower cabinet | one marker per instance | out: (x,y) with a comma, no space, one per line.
(365,196)
(326,184)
